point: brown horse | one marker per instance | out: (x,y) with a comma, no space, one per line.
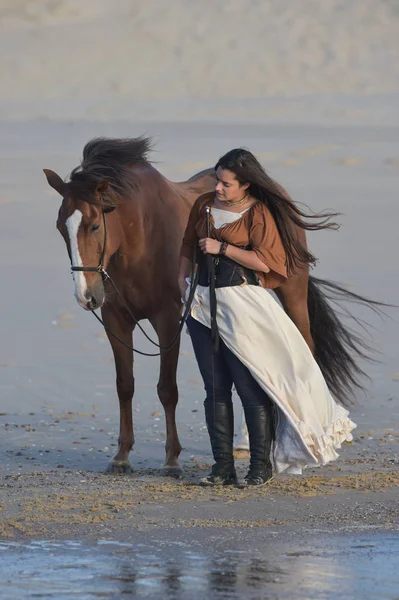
(120,213)
(145,215)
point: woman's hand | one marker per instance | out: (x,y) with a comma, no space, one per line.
(209,246)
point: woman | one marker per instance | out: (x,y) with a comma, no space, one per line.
(291,417)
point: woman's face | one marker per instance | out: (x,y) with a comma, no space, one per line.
(228,188)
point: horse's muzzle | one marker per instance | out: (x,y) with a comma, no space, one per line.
(94,295)
(93,302)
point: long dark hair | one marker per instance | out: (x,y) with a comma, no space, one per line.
(248,170)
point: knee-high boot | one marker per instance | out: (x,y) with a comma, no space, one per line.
(220,421)
(261,430)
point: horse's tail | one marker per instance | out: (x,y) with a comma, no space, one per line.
(337,347)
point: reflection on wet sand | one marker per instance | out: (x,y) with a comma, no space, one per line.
(319,565)
(211,576)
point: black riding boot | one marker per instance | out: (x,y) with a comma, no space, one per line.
(220,422)
(260,430)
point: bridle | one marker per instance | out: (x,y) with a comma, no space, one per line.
(105,276)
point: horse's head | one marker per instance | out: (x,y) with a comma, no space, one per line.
(81,223)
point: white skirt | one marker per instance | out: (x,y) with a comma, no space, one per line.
(310,425)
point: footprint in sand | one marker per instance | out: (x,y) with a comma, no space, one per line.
(348,162)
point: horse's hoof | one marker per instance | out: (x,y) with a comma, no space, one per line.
(176,472)
(119,468)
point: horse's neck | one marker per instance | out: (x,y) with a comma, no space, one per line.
(154,214)
(144,218)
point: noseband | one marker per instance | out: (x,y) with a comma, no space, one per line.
(100,269)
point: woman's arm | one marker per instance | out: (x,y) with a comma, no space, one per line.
(246,258)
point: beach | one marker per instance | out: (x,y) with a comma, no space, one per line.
(331,138)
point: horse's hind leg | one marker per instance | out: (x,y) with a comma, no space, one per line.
(125,388)
(166,325)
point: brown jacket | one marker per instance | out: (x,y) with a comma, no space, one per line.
(256,228)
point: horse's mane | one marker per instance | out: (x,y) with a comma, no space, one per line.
(108,159)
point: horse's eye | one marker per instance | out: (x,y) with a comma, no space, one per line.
(95,228)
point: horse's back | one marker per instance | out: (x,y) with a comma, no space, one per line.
(198,184)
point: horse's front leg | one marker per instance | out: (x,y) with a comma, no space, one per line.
(125,388)
(166,325)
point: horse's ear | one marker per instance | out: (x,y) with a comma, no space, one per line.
(55,181)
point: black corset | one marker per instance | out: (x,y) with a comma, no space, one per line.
(227,272)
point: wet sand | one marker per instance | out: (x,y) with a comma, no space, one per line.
(274,566)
